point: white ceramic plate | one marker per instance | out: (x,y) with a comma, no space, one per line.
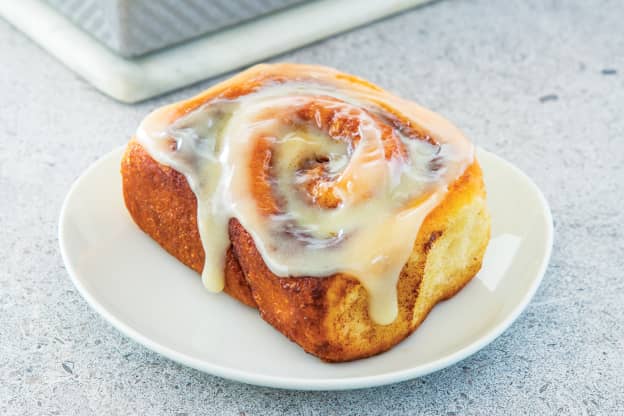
(155,300)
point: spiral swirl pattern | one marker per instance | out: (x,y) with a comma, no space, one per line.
(328,173)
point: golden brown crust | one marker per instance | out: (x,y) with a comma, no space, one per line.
(327,317)
(311,311)
(163,205)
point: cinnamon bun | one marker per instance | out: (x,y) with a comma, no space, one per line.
(340,211)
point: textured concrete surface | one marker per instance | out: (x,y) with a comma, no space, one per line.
(539,82)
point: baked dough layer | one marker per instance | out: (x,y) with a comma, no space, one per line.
(328,317)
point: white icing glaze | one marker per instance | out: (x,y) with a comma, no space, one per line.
(382,201)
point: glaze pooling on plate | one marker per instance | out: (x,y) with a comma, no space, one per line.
(328,173)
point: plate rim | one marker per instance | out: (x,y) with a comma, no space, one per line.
(297,383)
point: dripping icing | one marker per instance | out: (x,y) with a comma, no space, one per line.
(369,234)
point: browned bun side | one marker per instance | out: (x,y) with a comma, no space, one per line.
(328,317)
(163,205)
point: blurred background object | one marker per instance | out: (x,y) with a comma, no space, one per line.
(135,49)
(135,27)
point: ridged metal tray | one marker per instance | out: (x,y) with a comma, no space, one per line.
(135,27)
(205,56)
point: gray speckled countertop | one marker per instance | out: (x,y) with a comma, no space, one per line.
(539,82)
